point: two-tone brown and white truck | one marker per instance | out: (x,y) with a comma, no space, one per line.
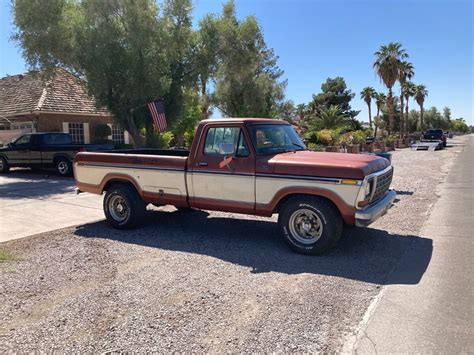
(251,166)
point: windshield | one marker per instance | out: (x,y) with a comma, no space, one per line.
(275,138)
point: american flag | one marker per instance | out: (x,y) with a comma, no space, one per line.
(157,111)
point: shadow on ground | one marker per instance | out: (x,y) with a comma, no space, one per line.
(25,183)
(363,254)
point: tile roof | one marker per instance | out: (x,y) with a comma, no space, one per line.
(63,92)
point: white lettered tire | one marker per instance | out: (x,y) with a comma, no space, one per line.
(309,224)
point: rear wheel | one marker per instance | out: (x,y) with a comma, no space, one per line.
(310,225)
(63,167)
(4,168)
(123,207)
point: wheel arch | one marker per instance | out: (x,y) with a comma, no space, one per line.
(346,211)
(58,156)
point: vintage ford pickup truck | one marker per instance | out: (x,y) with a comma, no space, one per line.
(251,166)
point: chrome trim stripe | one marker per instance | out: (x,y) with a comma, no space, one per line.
(137,167)
(297,177)
(219,173)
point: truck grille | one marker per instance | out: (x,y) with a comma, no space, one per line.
(382,183)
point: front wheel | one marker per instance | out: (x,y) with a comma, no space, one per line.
(310,225)
(123,207)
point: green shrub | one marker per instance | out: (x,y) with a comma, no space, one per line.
(165,139)
(326,137)
(188,138)
(360,136)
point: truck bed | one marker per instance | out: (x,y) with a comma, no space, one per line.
(158,174)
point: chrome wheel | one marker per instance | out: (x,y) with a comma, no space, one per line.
(118,208)
(305,226)
(63,167)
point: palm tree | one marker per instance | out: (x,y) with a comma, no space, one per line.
(420,92)
(380,100)
(367,94)
(328,118)
(408,91)
(406,72)
(387,67)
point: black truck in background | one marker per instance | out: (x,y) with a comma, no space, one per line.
(45,150)
(434,135)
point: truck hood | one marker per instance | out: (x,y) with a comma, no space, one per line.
(321,164)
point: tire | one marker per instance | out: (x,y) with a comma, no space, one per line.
(123,207)
(4,168)
(310,225)
(63,167)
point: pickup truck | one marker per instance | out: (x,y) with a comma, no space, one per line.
(44,150)
(250,166)
(434,135)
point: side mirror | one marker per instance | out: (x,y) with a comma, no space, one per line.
(226,148)
(10,145)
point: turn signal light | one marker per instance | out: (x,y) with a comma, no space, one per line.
(349,182)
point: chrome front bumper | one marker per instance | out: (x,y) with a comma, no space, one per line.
(371,213)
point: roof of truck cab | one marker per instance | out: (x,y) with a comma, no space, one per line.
(244,120)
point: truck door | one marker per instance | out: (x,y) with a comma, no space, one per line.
(223,173)
(21,153)
(35,150)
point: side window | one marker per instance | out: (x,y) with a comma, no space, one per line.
(23,140)
(219,135)
(242,147)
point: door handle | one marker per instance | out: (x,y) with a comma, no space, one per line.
(202,164)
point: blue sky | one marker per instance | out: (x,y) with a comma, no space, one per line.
(316,39)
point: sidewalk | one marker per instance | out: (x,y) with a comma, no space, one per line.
(435,315)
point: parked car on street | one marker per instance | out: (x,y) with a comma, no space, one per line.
(44,150)
(433,135)
(251,166)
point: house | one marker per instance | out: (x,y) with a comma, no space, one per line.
(59,104)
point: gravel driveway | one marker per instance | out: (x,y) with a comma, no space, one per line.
(208,281)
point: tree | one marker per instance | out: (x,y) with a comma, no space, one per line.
(367,94)
(208,44)
(406,72)
(408,89)
(420,92)
(447,113)
(459,125)
(334,93)
(387,66)
(380,100)
(118,47)
(330,117)
(247,80)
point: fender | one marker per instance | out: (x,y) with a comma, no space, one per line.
(347,212)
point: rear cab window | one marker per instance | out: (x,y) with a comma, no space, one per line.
(57,139)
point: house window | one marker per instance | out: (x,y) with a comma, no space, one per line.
(118,136)
(24,126)
(76,130)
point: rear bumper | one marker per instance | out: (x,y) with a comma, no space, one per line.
(371,213)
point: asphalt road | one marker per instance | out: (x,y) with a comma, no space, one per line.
(435,315)
(35,202)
